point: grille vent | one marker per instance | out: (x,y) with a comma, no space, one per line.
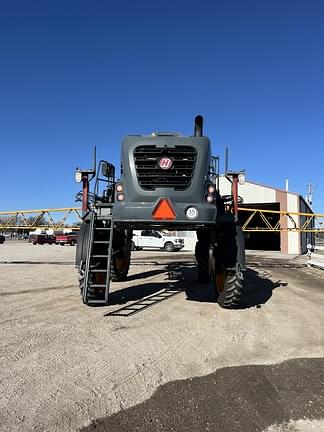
(150,175)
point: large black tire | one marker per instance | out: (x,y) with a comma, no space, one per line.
(230,296)
(120,261)
(82,243)
(81,272)
(92,293)
(119,267)
(229,256)
(81,254)
(202,256)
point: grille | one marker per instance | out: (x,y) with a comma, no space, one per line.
(151,176)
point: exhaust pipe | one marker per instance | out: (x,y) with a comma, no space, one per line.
(199,122)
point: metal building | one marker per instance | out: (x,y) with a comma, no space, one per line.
(258,196)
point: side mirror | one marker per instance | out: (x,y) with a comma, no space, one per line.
(107,169)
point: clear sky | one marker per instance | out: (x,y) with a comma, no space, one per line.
(75,73)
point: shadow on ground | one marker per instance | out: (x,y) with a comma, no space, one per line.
(145,274)
(258,288)
(144,289)
(135,293)
(233,399)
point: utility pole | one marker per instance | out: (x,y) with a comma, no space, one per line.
(310,190)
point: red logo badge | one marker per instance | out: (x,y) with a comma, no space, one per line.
(165,163)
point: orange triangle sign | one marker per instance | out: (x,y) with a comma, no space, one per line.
(164,210)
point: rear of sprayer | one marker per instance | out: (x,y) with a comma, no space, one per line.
(167,181)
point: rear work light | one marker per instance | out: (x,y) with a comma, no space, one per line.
(78,176)
(120,197)
(241,178)
(209,198)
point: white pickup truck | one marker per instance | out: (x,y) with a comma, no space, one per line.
(152,239)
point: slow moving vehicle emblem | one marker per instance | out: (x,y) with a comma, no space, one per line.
(165,163)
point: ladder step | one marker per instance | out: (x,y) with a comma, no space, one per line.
(97,285)
(99,256)
(96,302)
(101,241)
(103,229)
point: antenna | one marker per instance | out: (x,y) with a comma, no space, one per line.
(226,160)
(94,159)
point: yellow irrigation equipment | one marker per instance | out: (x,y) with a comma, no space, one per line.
(258,220)
(40,219)
(253,220)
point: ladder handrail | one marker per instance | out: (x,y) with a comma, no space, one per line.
(90,268)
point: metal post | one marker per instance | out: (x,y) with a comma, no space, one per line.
(235,196)
(85,192)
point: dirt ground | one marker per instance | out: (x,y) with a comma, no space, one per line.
(65,366)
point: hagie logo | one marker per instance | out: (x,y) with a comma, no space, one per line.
(165,163)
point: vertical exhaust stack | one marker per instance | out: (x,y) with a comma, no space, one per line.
(199,122)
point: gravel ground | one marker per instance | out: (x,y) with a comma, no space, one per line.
(65,366)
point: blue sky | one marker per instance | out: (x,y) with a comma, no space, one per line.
(79,73)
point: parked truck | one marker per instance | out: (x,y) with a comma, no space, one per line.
(152,239)
(66,239)
(41,238)
(167,181)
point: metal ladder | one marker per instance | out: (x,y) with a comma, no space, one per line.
(98,261)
